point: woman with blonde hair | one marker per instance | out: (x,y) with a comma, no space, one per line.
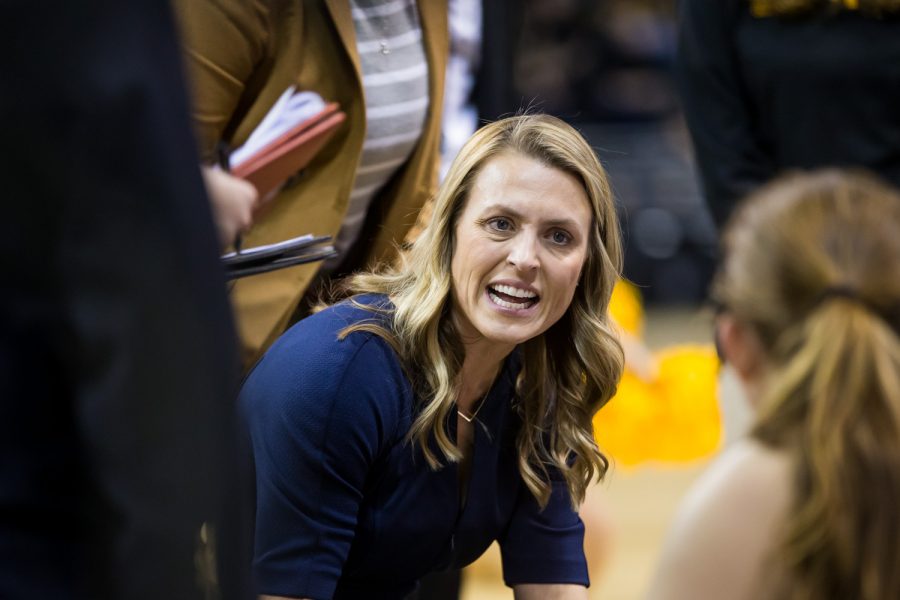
(809,505)
(447,402)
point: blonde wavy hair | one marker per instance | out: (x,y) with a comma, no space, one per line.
(568,372)
(812,264)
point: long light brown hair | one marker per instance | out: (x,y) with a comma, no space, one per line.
(812,264)
(568,372)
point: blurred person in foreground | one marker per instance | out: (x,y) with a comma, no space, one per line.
(118,366)
(809,505)
(447,403)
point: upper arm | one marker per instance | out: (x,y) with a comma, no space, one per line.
(719,112)
(224,42)
(544,546)
(316,426)
(726,528)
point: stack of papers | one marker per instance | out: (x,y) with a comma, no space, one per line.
(292,132)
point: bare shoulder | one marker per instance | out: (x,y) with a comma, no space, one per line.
(748,479)
(726,527)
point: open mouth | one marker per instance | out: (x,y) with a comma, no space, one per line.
(511,297)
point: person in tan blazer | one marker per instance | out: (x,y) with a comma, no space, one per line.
(241,57)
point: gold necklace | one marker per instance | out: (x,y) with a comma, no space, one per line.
(469,419)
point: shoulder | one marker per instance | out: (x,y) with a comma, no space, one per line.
(314,368)
(727,525)
(745,476)
(321,344)
(323,334)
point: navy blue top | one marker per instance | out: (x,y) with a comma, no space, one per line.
(348,509)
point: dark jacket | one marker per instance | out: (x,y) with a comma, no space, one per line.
(117,358)
(764,95)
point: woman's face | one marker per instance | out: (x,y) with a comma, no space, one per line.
(521,242)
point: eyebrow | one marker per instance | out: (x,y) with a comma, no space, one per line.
(562,222)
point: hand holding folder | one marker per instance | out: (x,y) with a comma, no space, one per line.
(292,132)
(261,259)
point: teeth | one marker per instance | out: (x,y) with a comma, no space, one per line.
(512,291)
(500,302)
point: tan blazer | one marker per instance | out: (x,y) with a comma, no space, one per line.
(242,55)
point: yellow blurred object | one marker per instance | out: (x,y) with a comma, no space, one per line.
(626,308)
(674,418)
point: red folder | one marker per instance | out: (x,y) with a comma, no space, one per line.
(282,158)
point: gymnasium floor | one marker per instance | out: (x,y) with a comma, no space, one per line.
(638,503)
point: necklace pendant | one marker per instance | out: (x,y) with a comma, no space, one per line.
(465,417)
(384,47)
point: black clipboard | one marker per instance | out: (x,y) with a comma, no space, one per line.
(262,259)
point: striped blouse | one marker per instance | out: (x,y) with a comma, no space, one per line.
(395,86)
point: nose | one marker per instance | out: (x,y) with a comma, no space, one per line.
(523,252)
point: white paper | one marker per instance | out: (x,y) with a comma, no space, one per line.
(292,107)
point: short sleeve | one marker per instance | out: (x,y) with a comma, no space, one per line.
(544,546)
(317,421)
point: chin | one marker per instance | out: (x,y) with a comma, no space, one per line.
(504,334)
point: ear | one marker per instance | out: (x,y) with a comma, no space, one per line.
(741,347)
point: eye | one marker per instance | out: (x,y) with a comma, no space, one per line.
(500,224)
(560,237)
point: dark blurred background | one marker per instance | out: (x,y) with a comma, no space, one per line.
(606,67)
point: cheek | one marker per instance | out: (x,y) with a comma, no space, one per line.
(566,294)
(458,259)
(569,274)
(471,260)
(463,269)
(566,284)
